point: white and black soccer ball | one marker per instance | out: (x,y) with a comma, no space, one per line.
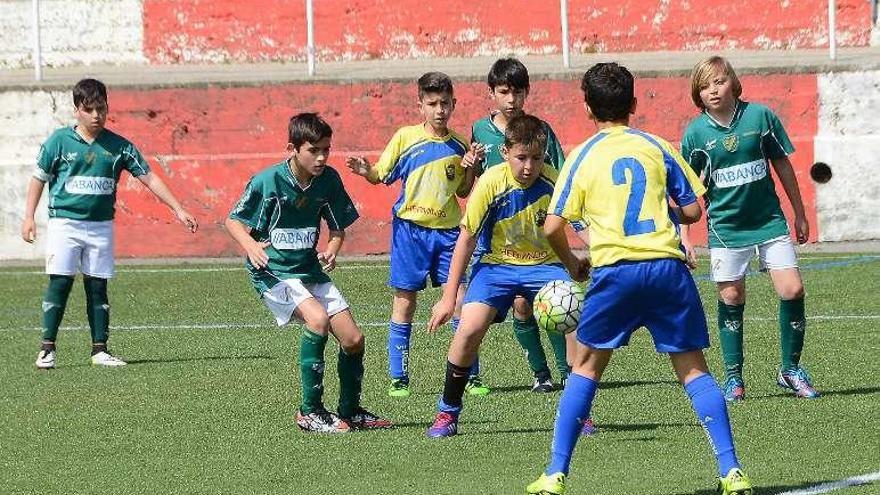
(558,306)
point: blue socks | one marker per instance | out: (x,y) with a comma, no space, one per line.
(398,350)
(708,403)
(475,369)
(574,409)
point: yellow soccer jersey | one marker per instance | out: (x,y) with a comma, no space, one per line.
(430,169)
(508,219)
(621,181)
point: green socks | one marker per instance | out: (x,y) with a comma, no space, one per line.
(730,329)
(529,338)
(311,368)
(54,302)
(351,375)
(792,326)
(97,308)
(558,344)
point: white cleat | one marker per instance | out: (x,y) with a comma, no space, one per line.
(45,359)
(104,358)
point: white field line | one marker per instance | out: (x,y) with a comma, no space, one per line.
(371,324)
(864,479)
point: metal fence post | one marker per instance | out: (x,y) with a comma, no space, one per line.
(310,30)
(832,29)
(563,17)
(35,28)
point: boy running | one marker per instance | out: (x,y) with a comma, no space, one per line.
(82,165)
(502,230)
(730,145)
(427,159)
(277,222)
(621,181)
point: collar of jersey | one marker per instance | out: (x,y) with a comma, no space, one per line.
(430,137)
(292,177)
(77,136)
(738,108)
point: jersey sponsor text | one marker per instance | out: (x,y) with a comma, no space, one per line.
(305,238)
(98,186)
(738,175)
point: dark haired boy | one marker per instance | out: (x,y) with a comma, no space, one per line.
(427,159)
(82,165)
(621,181)
(277,222)
(503,231)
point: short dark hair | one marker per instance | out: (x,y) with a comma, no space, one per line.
(90,93)
(509,72)
(526,130)
(609,91)
(307,128)
(434,82)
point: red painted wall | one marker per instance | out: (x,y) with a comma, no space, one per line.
(207,142)
(260,30)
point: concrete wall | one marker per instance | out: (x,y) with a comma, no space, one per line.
(207,142)
(206,31)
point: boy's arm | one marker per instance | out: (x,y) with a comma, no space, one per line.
(554,229)
(29,226)
(157,186)
(360,166)
(242,234)
(689,251)
(789,182)
(334,244)
(445,307)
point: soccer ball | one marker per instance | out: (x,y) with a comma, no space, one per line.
(558,306)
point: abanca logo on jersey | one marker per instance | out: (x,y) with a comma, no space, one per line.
(738,175)
(96,186)
(305,238)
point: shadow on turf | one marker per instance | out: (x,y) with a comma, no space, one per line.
(195,359)
(601,427)
(602,385)
(769,490)
(825,393)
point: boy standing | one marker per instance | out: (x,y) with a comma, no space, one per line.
(427,159)
(277,222)
(503,231)
(508,82)
(82,165)
(730,144)
(621,181)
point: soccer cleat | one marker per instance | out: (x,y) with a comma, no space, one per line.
(365,420)
(735,483)
(475,386)
(589,428)
(399,388)
(734,389)
(553,484)
(45,359)
(542,384)
(797,381)
(321,421)
(104,358)
(445,425)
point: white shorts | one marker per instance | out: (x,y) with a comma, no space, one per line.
(74,246)
(731,264)
(285,296)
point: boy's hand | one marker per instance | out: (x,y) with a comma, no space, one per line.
(257,255)
(474,156)
(29,230)
(440,314)
(690,253)
(327,261)
(190,221)
(358,165)
(801,229)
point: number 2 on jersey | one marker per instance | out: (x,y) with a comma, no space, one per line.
(631,223)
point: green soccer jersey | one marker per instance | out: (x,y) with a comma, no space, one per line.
(288,215)
(734,164)
(82,177)
(485,132)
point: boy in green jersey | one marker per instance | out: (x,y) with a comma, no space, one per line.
(82,165)
(276,222)
(508,82)
(730,145)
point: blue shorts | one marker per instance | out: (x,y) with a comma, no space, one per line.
(419,252)
(657,294)
(498,285)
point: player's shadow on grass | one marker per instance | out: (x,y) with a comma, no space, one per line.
(601,427)
(137,362)
(602,385)
(771,490)
(825,393)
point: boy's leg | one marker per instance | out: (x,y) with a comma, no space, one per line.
(63,253)
(729,267)
(792,329)
(475,383)
(54,303)
(525,329)
(403,308)
(97,311)
(98,268)
(311,354)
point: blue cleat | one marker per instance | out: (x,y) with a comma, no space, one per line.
(589,428)
(797,381)
(735,389)
(445,425)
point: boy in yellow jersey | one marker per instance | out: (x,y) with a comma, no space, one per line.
(621,181)
(502,230)
(427,159)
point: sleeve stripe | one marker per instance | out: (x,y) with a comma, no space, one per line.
(566,190)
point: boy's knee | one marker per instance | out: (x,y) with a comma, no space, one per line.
(319,324)
(792,291)
(522,310)
(354,344)
(732,295)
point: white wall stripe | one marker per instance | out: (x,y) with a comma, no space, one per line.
(237,268)
(864,479)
